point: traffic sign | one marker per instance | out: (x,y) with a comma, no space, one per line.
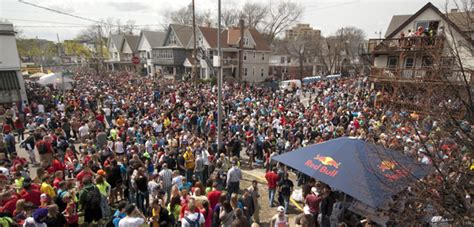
(135,60)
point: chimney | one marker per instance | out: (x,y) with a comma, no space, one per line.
(454,10)
(208,24)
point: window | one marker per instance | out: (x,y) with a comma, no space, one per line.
(409,62)
(173,40)
(261,72)
(427,25)
(148,55)
(254,54)
(426,61)
(9,81)
(246,41)
(245,71)
(245,55)
(253,71)
(392,62)
(282,59)
(263,57)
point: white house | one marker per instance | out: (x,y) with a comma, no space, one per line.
(410,58)
(146,43)
(12,86)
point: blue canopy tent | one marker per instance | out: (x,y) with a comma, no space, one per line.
(367,172)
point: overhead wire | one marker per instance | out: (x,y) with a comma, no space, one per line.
(60,12)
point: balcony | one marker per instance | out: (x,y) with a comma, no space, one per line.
(229,63)
(421,75)
(420,43)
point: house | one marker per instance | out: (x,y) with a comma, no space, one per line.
(285,67)
(421,65)
(177,46)
(12,86)
(113,45)
(122,48)
(255,53)
(148,41)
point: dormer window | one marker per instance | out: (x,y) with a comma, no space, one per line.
(246,41)
(173,40)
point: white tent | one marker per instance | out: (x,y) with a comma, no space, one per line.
(56,79)
(37,75)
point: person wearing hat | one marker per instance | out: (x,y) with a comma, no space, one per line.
(305,219)
(280,219)
(37,218)
(312,201)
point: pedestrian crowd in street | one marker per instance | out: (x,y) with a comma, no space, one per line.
(124,150)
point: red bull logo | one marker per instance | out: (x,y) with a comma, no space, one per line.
(327,165)
(391,171)
(387,165)
(327,161)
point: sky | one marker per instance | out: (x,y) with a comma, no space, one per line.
(372,16)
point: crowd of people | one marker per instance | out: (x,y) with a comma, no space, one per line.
(124,150)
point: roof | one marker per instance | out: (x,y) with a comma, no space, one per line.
(442,15)
(234,36)
(260,42)
(396,21)
(210,34)
(117,40)
(155,39)
(132,41)
(460,19)
(183,33)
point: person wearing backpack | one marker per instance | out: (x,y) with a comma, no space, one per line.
(193,218)
(90,201)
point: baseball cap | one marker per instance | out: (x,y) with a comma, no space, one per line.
(314,190)
(281,209)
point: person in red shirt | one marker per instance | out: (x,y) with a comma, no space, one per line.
(312,200)
(86,172)
(58,177)
(9,199)
(214,195)
(272,180)
(31,195)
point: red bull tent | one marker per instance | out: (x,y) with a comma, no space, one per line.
(365,171)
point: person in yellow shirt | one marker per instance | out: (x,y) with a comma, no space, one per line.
(47,188)
(189,162)
(120,121)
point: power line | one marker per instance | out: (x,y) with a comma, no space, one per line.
(60,12)
(39,21)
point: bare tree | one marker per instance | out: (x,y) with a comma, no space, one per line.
(254,14)
(129,27)
(230,17)
(280,17)
(442,125)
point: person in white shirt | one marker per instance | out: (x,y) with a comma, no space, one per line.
(134,217)
(192,217)
(40,108)
(84,132)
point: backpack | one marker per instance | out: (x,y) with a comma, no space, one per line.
(60,202)
(194,223)
(42,149)
(93,198)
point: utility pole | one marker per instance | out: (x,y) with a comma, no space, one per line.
(60,63)
(193,69)
(219,79)
(101,51)
(241,49)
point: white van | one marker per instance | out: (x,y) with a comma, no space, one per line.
(290,85)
